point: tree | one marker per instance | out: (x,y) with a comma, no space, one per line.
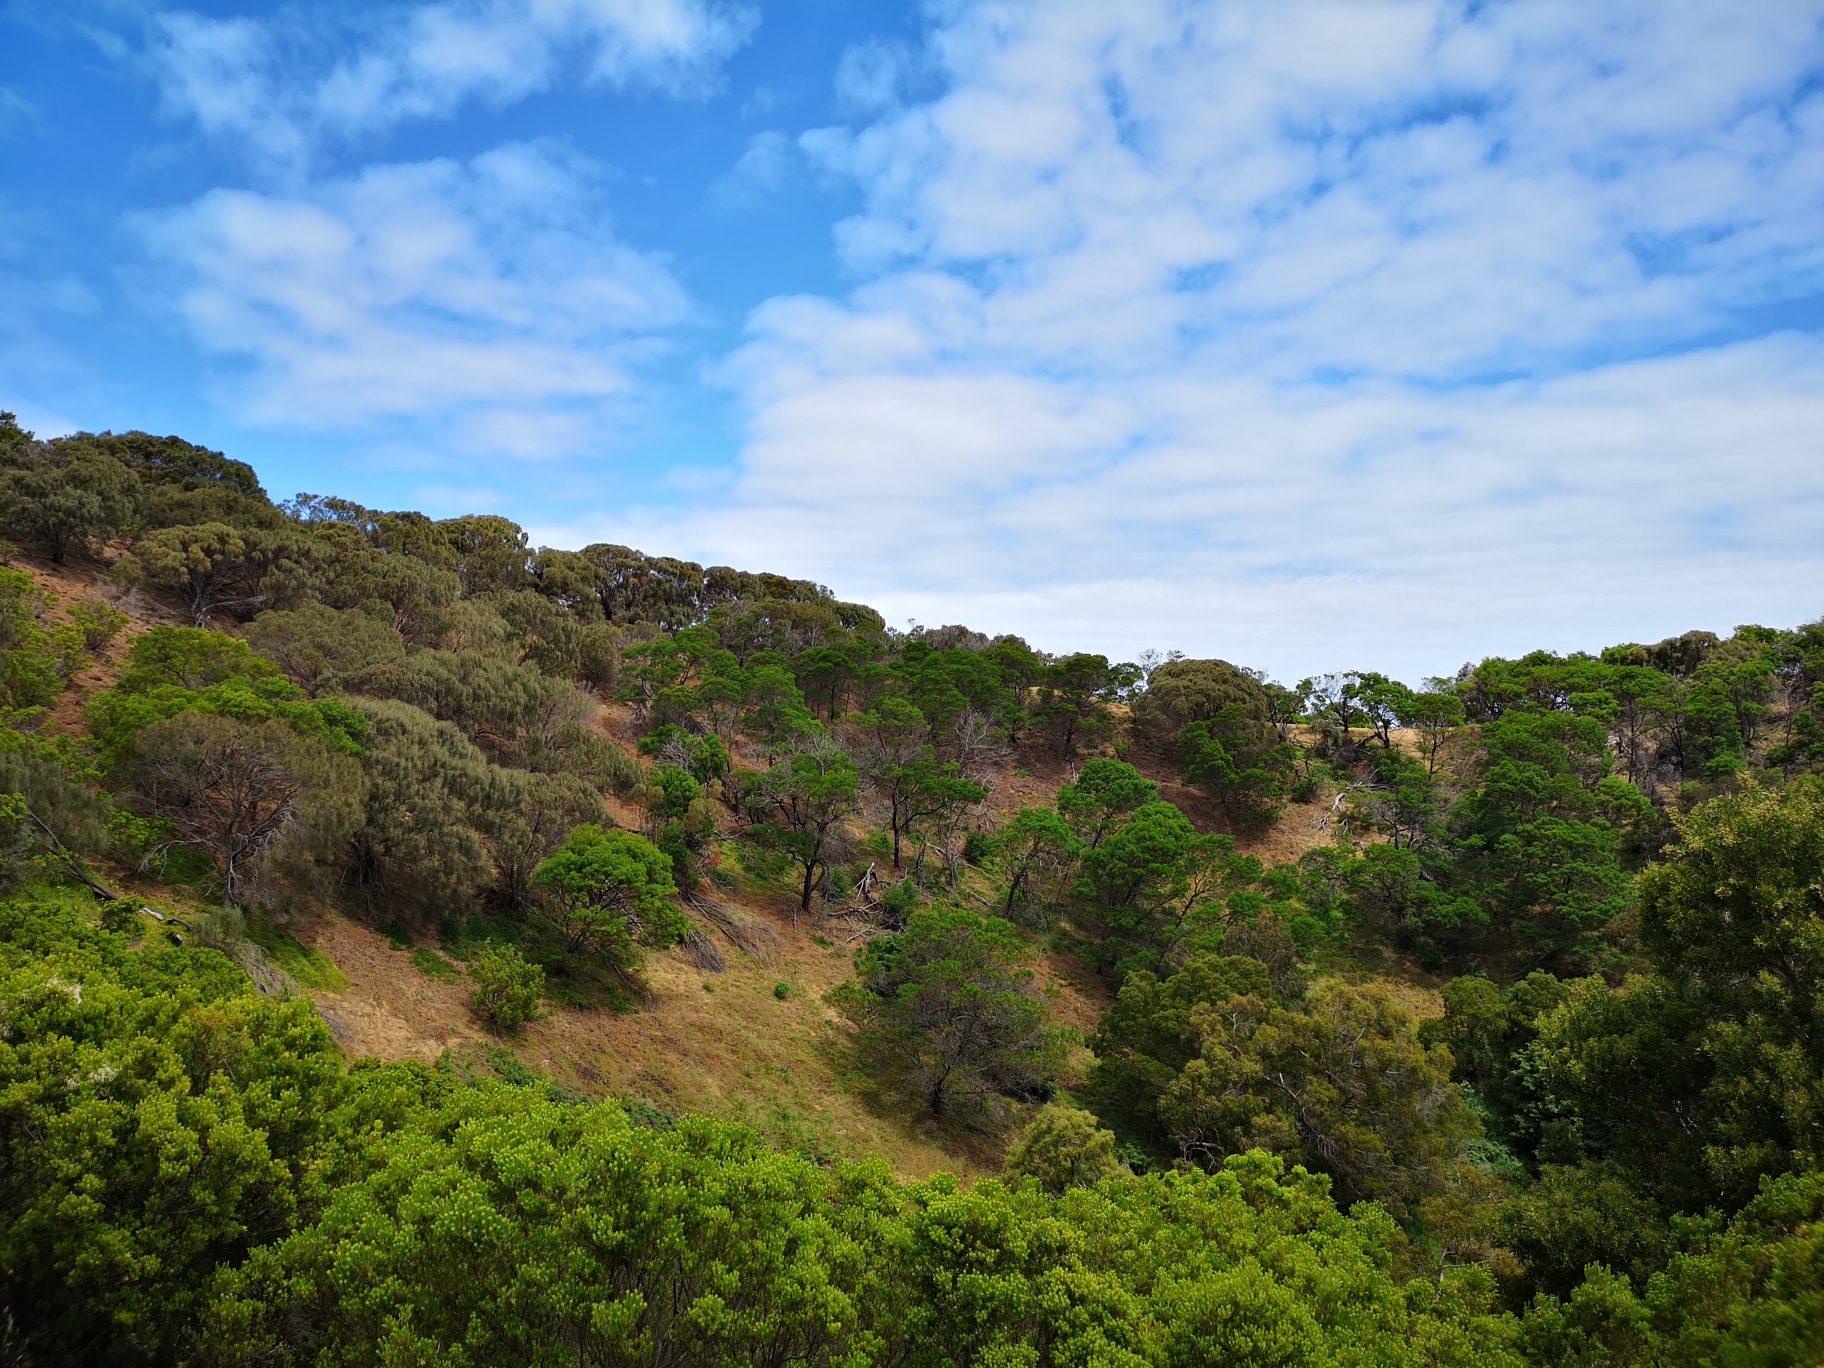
(1146,1037)
(1434,714)
(316,644)
(1383,703)
(604,891)
(237,790)
(508,988)
(1073,697)
(490,553)
(57,496)
(35,664)
(420,853)
(891,740)
(1180,692)
(1063,1148)
(1147,879)
(1227,759)
(800,804)
(947,1008)
(1708,1075)
(1102,797)
(1037,853)
(1335,699)
(1343,1085)
(215,566)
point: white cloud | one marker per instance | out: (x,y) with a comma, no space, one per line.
(489,298)
(762,170)
(281,86)
(1313,333)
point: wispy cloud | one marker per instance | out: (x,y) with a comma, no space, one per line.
(763,169)
(281,85)
(1352,324)
(490,299)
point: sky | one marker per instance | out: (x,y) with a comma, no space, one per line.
(1388,334)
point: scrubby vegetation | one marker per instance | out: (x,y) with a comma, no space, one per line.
(1606,869)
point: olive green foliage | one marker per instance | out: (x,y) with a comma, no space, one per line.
(1340,1083)
(508,987)
(216,567)
(242,792)
(1062,1148)
(63,495)
(1181,692)
(947,1011)
(316,645)
(420,850)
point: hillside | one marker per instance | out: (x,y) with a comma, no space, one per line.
(457,875)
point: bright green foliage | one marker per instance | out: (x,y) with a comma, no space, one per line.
(603,892)
(1102,797)
(1062,1148)
(35,664)
(543,1234)
(1248,1266)
(157,1119)
(947,1010)
(273,1209)
(508,988)
(118,716)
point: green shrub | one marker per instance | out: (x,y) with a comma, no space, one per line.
(507,986)
(782,991)
(120,914)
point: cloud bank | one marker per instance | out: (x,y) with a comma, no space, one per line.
(1309,333)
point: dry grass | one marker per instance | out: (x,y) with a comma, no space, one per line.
(717,1044)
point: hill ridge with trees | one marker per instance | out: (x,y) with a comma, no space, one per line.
(1141,940)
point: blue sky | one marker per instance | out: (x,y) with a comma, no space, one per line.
(1383,334)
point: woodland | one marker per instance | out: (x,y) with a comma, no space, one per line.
(1476,1022)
